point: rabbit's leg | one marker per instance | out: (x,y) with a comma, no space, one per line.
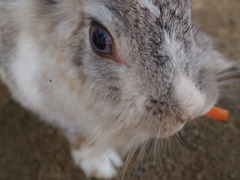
(96,161)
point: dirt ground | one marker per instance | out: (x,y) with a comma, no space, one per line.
(205,150)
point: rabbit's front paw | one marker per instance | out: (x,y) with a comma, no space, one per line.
(96,163)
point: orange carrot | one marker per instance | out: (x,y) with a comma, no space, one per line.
(218,114)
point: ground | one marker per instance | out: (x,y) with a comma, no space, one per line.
(205,150)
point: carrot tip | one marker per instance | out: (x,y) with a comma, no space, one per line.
(218,114)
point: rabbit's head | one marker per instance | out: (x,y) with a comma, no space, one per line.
(140,65)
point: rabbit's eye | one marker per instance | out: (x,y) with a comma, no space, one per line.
(101,41)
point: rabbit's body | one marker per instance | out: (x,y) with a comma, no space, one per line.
(161,74)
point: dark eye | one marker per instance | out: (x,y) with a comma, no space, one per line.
(101,40)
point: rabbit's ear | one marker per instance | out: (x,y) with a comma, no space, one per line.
(54,1)
(48,1)
(42,2)
(43,8)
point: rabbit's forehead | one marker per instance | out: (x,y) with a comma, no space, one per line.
(138,10)
(151,6)
(162,27)
(154,29)
(150,18)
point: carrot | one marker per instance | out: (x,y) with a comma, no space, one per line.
(218,114)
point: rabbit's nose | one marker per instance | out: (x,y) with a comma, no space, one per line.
(189,97)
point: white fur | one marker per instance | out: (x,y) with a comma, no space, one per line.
(25,70)
(76,109)
(150,6)
(190,98)
(98,11)
(100,164)
(29,64)
(173,47)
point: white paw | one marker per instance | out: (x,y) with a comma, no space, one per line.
(97,163)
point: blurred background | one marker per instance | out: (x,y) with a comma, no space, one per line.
(204,150)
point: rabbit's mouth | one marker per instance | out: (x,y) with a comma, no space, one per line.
(160,120)
(156,128)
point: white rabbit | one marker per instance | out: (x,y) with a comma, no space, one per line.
(111,73)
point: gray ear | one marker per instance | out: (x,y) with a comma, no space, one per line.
(54,1)
(44,7)
(45,3)
(51,1)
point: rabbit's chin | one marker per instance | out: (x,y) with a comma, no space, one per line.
(161,131)
(171,132)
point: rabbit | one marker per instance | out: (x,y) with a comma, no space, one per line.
(110,74)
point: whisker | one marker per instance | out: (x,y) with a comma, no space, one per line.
(234,67)
(139,161)
(176,145)
(179,138)
(176,151)
(228,75)
(229,82)
(156,147)
(144,148)
(164,146)
(167,149)
(127,161)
